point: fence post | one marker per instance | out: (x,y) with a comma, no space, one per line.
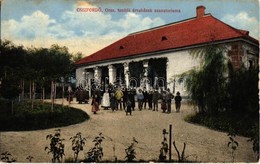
(170,143)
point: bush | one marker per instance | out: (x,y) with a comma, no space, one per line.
(41,117)
(227,122)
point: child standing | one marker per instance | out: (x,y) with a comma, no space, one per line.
(128,107)
(178,101)
(132,98)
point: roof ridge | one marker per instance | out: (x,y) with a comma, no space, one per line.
(244,33)
(233,28)
(166,25)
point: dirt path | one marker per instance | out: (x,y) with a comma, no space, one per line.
(203,144)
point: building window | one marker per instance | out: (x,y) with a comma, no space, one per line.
(121,47)
(164,38)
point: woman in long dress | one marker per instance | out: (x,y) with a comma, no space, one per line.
(105,100)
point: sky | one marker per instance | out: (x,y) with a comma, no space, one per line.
(87,26)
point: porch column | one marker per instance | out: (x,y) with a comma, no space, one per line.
(111,74)
(145,79)
(127,73)
(168,76)
(97,75)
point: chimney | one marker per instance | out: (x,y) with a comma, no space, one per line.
(200,11)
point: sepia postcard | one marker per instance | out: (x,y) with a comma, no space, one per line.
(129,81)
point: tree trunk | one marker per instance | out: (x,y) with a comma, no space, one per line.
(55,88)
(30,88)
(12,107)
(63,94)
(22,89)
(43,94)
(52,95)
(20,94)
(33,94)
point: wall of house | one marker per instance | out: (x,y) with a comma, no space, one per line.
(243,53)
(250,55)
(79,75)
(178,63)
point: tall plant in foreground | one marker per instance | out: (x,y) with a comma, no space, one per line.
(56,146)
(130,151)
(95,154)
(232,144)
(165,148)
(181,157)
(7,157)
(29,158)
(255,140)
(77,144)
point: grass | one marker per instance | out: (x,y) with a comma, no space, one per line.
(41,117)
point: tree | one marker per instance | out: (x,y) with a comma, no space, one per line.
(207,83)
(48,66)
(9,89)
(243,89)
(12,59)
(77,56)
(36,68)
(60,67)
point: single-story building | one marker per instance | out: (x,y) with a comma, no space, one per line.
(153,57)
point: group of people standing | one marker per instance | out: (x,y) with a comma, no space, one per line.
(80,93)
(123,98)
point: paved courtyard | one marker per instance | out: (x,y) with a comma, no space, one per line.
(203,144)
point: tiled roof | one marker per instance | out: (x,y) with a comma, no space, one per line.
(182,34)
